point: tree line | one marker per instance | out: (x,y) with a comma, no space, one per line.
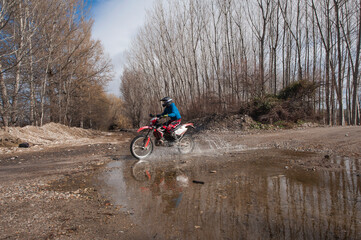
(215,55)
(50,67)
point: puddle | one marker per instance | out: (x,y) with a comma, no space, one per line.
(240,195)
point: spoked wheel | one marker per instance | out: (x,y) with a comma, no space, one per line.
(141,147)
(142,171)
(186,144)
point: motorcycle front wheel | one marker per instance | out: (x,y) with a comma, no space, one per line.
(186,144)
(142,171)
(141,147)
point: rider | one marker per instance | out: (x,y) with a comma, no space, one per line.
(170,110)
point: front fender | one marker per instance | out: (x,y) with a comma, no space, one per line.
(144,128)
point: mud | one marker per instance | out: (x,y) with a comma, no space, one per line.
(53,194)
(292,184)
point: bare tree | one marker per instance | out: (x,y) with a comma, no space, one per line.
(131,89)
(223,53)
(46,52)
(260,30)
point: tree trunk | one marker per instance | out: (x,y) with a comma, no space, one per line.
(5,106)
(19,58)
(356,73)
(339,88)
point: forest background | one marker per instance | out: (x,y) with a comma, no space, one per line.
(283,60)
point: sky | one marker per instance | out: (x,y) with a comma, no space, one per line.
(116,22)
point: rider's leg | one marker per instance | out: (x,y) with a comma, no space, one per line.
(171,128)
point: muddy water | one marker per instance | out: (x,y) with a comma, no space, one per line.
(263,194)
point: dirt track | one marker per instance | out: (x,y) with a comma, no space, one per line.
(54,193)
(344,141)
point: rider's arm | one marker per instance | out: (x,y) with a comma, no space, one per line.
(164,114)
(167,112)
(171,115)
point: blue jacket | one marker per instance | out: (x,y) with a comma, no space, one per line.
(172,112)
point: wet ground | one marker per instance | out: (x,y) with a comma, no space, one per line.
(255,194)
(234,186)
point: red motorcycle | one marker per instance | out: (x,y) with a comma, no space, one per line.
(142,145)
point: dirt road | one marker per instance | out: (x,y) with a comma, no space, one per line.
(55,193)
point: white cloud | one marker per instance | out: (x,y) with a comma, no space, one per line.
(116,23)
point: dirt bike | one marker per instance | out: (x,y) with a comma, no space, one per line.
(142,145)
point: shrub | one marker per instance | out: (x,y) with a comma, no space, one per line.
(300,90)
(292,104)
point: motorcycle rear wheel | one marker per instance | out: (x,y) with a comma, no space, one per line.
(186,144)
(138,149)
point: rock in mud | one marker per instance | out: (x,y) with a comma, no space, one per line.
(198,182)
(24,145)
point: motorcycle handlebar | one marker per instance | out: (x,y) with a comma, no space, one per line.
(158,116)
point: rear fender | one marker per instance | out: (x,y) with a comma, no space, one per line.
(189,125)
(183,128)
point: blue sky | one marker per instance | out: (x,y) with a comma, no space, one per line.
(116,22)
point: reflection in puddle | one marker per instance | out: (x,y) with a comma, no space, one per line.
(253,199)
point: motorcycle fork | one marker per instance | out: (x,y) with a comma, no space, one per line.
(147,139)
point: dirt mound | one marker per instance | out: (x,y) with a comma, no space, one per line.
(51,133)
(6,140)
(244,123)
(224,122)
